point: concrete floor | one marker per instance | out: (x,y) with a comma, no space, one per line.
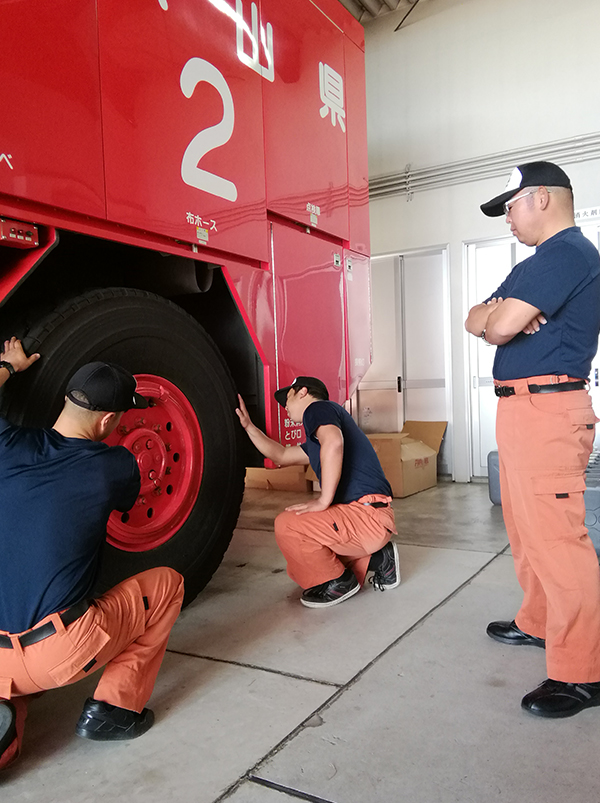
(388,697)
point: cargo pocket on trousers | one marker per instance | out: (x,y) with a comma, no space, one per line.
(583,417)
(81,658)
(560,507)
(6,688)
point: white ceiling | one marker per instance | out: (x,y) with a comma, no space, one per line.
(366,10)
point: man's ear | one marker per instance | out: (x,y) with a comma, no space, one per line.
(106,423)
(302,393)
(544,197)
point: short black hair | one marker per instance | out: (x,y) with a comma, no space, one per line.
(316,393)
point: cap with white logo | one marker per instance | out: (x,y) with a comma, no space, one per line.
(532,174)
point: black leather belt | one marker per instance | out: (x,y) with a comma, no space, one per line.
(67,617)
(558,387)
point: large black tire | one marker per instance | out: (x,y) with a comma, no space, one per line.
(147,335)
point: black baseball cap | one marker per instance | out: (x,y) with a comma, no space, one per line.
(108,387)
(532,174)
(308,382)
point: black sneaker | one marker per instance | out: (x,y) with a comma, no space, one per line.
(332,592)
(8,729)
(554,699)
(386,565)
(109,723)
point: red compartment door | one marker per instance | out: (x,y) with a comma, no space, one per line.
(183,124)
(50,134)
(306,118)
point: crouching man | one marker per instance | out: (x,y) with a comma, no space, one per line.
(57,489)
(331,542)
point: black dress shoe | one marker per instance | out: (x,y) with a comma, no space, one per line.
(554,699)
(509,633)
(109,723)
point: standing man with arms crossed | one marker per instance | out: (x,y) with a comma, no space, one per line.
(545,320)
(57,489)
(331,542)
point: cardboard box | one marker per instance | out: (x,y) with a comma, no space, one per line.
(409,458)
(289,478)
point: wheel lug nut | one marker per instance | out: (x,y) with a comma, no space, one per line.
(168,447)
(168,470)
(137,447)
(141,500)
(123,429)
(149,444)
(140,422)
(156,427)
(157,492)
(152,474)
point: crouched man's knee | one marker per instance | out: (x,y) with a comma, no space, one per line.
(162,581)
(284,524)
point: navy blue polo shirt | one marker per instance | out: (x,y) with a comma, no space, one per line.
(56,495)
(361,470)
(562,279)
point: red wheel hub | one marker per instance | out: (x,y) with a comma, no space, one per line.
(166,441)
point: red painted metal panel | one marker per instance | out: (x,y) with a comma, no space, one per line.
(309,313)
(50,137)
(305,118)
(252,291)
(343,19)
(358,316)
(183,123)
(358,168)
(17,265)
(188,89)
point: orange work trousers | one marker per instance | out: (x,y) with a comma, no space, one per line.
(318,547)
(544,444)
(125,630)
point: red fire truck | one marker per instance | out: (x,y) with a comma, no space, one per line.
(183,191)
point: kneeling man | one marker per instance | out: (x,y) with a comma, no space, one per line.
(57,489)
(331,542)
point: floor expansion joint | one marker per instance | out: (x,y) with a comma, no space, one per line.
(258,668)
(288,790)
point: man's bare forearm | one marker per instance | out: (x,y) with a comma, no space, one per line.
(267,446)
(494,334)
(477,319)
(332,456)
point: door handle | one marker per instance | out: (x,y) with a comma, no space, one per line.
(399,384)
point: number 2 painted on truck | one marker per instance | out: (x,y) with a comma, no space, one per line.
(194,72)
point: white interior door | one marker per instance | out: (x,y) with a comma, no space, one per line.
(488,264)
(378,389)
(424,306)
(409,375)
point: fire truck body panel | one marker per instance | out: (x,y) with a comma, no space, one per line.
(51,130)
(183,126)
(210,153)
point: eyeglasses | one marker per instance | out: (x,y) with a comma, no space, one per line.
(509,204)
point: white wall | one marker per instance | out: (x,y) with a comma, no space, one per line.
(471,78)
